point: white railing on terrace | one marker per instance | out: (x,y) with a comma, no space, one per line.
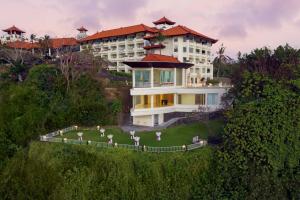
(50,137)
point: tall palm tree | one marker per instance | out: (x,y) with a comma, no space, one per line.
(160,38)
(221,59)
(32,39)
(45,43)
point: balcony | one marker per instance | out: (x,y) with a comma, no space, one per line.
(159,101)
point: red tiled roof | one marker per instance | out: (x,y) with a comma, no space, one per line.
(60,42)
(82,29)
(120,31)
(160,58)
(182,30)
(164,20)
(155,46)
(23,45)
(12,29)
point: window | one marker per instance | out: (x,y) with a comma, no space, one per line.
(142,78)
(203,70)
(184,59)
(208,53)
(208,70)
(191,50)
(212,98)
(197,50)
(176,39)
(175,49)
(203,52)
(184,39)
(179,99)
(200,99)
(184,49)
(166,76)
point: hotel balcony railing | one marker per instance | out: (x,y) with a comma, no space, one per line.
(142,84)
(165,84)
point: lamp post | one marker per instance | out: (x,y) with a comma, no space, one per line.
(110,141)
(102,131)
(80,136)
(137,141)
(132,134)
(158,134)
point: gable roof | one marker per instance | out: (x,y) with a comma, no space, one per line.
(183,30)
(164,20)
(160,58)
(13,28)
(60,42)
(23,45)
(120,32)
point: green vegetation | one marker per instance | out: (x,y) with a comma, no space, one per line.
(42,103)
(174,136)
(58,171)
(121,74)
(258,157)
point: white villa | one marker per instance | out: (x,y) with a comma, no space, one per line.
(161,88)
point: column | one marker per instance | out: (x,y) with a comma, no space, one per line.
(133,78)
(152,77)
(175,99)
(183,78)
(175,77)
(152,101)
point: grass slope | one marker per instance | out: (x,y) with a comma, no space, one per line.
(173,136)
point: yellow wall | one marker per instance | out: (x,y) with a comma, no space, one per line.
(188,99)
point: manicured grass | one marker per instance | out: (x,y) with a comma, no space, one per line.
(174,136)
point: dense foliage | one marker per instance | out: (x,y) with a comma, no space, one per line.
(57,171)
(41,103)
(258,159)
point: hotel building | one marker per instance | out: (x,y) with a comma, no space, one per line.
(132,43)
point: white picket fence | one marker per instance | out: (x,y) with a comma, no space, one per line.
(50,137)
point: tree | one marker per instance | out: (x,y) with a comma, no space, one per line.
(32,39)
(261,148)
(222,60)
(74,64)
(160,38)
(45,44)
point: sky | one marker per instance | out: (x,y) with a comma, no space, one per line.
(241,25)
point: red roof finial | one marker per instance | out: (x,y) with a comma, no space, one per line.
(164,20)
(82,29)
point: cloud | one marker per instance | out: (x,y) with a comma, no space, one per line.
(242,16)
(92,14)
(234,31)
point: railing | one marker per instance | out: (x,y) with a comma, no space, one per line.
(50,137)
(142,84)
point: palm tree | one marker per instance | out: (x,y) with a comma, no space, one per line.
(221,59)
(45,44)
(32,39)
(160,38)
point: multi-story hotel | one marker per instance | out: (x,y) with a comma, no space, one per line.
(170,67)
(160,89)
(132,43)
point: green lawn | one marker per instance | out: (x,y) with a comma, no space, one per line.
(174,136)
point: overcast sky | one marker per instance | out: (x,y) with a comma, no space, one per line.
(240,24)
